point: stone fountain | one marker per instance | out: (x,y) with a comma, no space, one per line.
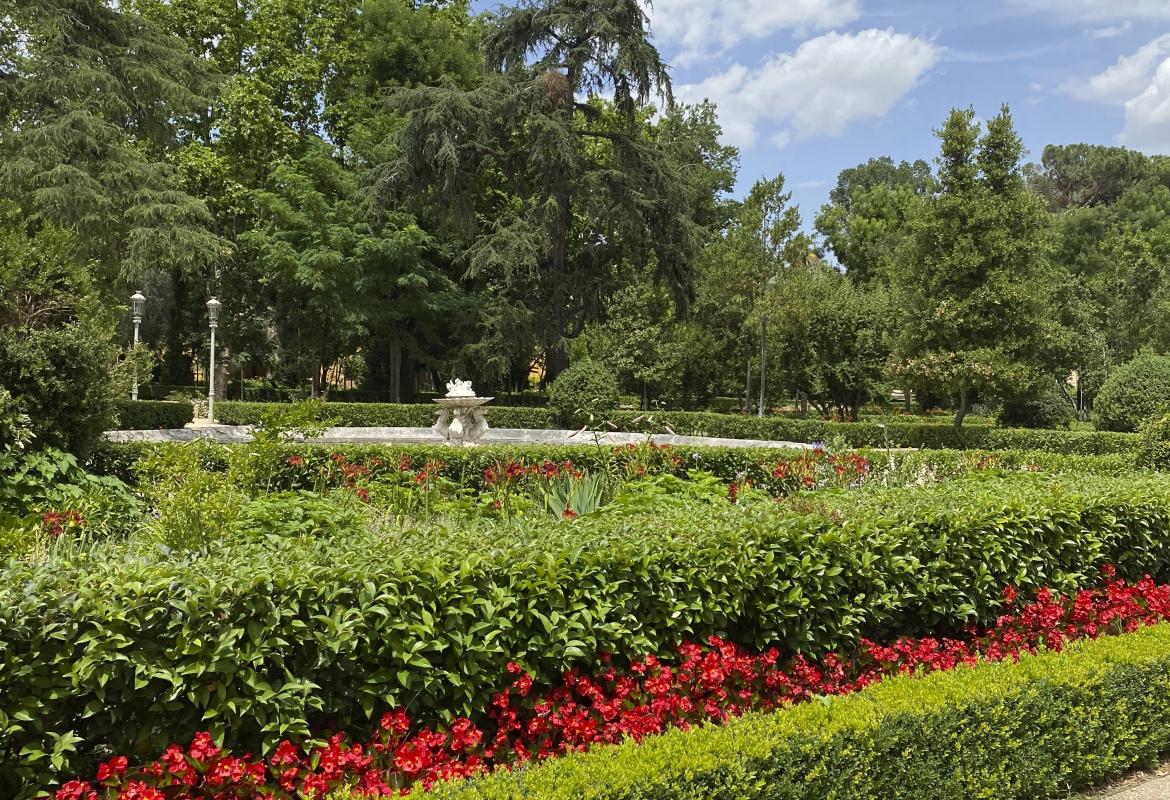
(461,421)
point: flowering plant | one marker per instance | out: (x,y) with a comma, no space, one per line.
(700,682)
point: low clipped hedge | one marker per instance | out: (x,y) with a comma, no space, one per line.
(383,415)
(145,415)
(866,434)
(734,426)
(1029,730)
(467,465)
(275,636)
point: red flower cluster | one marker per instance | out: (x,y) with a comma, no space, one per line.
(511,472)
(813,468)
(57,522)
(700,683)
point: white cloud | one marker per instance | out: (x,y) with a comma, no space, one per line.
(827,83)
(1130,75)
(1094,10)
(698,27)
(1147,116)
(1141,83)
(1111,31)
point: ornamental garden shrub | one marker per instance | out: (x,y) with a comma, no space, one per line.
(260,638)
(691,685)
(1133,393)
(142,415)
(585,390)
(1155,447)
(56,342)
(1041,727)
(1047,406)
(300,466)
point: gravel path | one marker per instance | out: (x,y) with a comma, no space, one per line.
(1148,786)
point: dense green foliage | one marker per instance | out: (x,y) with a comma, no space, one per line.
(827,339)
(972,278)
(1136,391)
(153,647)
(1038,728)
(586,389)
(46,494)
(466,466)
(142,415)
(56,354)
(388,195)
(1046,406)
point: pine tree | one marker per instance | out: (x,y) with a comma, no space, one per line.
(973,280)
(95,100)
(549,189)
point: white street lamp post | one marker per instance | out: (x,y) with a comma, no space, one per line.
(213,322)
(137,304)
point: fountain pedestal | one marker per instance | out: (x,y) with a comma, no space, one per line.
(461,421)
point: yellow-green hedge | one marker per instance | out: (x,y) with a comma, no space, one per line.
(1037,729)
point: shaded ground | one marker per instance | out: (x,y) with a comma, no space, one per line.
(1140,786)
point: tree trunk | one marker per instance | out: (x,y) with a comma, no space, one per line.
(747,391)
(394,372)
(964,406)
(556,359)
(406,379)
(907,406)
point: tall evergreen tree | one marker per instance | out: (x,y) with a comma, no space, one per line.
(95,99)
(550,190)
(973,280)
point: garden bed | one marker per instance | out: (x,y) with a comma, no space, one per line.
(276,632)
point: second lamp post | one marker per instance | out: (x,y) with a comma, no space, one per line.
(213,322)
(137,304)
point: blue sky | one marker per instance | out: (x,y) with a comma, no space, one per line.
(809,87)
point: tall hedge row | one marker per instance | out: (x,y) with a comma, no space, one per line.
(734,426)
(276,636)
(1051,724)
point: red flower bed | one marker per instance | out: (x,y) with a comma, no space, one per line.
(699,683)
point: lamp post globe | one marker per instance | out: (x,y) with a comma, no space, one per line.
(213,323)
(137,304)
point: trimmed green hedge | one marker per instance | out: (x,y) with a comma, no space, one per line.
(379,415)
(734,426)
(1037,729)
(276,635)
(466,465)
(145,415)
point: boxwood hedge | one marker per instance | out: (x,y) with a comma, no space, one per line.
(146,415)
(734,426)
(127,649)
(1037,729)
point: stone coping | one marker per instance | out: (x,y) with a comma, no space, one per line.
(229,434)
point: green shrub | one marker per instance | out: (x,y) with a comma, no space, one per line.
(1133,393)
(382,415)
(56,343)
(466,466)
(261,638)
(585,389)
(1046,407)
(1040,728)
(145,415)
(37,482)
(1155,447)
